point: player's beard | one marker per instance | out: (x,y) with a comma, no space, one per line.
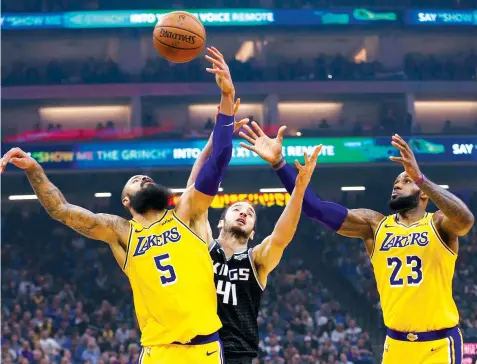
(152,197)
(238,232)
(405,203)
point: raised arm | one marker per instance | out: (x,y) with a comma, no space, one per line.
(207,151)
(358,223)
(267,254)
(453,217)
(195,201)
(108,228)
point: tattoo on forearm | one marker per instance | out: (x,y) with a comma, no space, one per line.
(82,220)
(49,195)
(450,205)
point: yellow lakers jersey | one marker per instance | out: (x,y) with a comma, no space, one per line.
(414,269)
(172,279)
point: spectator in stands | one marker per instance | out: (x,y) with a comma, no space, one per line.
(324,124)
(447,128)
(209,126)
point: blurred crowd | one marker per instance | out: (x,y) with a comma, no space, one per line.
(65,300)
(323,68)
(72,5)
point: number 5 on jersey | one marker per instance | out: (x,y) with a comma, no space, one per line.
(168,275)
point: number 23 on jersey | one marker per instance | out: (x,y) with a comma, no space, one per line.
(397,279)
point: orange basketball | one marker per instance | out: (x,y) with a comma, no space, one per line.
(179,37)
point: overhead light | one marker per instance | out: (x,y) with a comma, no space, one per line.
(22,197)
(182,190)
(353,188)
(177,190)
(245,52)
(272,190)
(102,194)
(444,186)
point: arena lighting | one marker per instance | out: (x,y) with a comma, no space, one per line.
(102,194)
(353,188)
(48,113)
(272,190)
(22,197)
(245,52)
(181,190)
(444,186)
(309,105)
(445,104)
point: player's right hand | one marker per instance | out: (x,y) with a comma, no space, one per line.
(269,149)
(17,157)
(221,70)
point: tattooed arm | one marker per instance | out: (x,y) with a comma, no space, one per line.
(105,227)
(453,217)
(108,228)
(361,223)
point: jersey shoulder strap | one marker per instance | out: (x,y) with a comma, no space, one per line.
(254,268)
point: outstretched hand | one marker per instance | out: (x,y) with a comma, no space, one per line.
(305,172)
(267,148)
(18,158)
(221,70)
(407,158)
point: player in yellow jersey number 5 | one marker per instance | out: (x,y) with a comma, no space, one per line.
(167,263)
(413,253)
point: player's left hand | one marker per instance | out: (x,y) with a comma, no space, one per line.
(305,172)
(407,158)
(221,71)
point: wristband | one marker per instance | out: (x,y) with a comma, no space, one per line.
(420,180)
(280,164)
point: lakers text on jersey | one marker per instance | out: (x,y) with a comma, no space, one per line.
(171,276)
(239,295)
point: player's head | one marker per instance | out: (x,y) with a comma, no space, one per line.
(239,220)
(406,194)
(142,194)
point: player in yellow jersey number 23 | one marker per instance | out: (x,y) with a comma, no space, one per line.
(413,253)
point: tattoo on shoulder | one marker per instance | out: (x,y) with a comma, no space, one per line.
(369,215)
(359,223)
(117,223)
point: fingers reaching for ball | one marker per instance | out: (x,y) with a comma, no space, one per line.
(220,69)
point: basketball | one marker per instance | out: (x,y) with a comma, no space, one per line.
(179,37)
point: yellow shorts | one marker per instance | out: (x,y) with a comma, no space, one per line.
(208,351)
(434,347)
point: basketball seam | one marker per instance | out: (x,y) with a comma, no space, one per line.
(187,30)
(182,49)
(191,17)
